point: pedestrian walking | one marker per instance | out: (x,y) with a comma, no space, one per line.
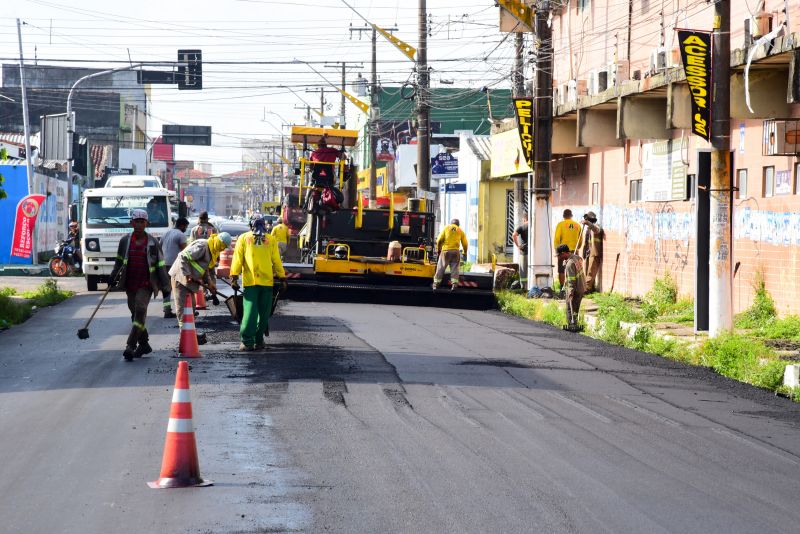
(194,268)
(173,242)
(567,233)
(520,238)
(257,259)
(450,241)
(281,234)
(574,284)
(592,249)
(141,269)
(204,229)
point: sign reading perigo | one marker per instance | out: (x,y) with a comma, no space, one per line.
(696,54)
(524,109)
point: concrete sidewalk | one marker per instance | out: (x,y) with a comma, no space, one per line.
(14,269)
(29,282)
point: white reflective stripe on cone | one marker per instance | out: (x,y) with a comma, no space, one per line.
(180,395)
(188,311)
(188,325)
(180,425)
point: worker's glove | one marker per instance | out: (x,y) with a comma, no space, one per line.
(215,299)
(235,283)
(284,285)
(464,257)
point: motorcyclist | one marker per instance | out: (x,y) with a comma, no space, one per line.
(74,239)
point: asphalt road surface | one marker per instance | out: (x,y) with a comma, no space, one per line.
(367,418)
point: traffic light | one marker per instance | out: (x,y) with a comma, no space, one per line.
(190,69)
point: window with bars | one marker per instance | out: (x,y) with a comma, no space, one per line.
(510,224)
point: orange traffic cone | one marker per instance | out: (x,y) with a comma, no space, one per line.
(180,467)
(188,347)
(201,299)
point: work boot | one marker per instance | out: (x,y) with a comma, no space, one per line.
(202,339)
(434,287)
(453,287)
(143,348)
(169,314)
(260,346)
(246,348)
(129,353)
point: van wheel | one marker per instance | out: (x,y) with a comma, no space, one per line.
(91,283)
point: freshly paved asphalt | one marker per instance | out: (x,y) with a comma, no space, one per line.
(367,418)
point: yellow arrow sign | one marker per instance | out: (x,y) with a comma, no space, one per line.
(404,47)
(521,12)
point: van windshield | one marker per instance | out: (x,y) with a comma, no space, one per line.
(115,211)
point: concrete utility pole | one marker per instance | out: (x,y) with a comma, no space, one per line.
(519,185)
(720,281)
(423,106)
(25,119)
(322,101)
(540,270)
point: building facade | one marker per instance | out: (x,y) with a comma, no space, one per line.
(623,147)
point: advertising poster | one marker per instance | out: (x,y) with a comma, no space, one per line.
(696,53)
(27,210)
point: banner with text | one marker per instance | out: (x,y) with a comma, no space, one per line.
(524,108)
(27,210)
(696,51)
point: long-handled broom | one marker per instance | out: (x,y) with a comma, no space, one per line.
(83,333)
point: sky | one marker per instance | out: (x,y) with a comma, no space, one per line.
(258,54)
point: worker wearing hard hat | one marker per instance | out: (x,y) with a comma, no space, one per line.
(194,268)
(573,285)
(140,268)
(450,241)
(591,248)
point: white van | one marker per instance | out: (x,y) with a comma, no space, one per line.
(106,217)
(127,180)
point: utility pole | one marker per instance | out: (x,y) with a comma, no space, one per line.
(720,281)
(25,119)
(322,100)
(344,67)
(423,106)
(518,76)
(374,114)
(540,270)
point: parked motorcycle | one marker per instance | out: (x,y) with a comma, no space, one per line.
(65,262)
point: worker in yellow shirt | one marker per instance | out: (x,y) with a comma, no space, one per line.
(257,259)
(281,234)
(568,233)
(450,240)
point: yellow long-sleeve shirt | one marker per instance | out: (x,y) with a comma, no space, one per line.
(451,238)
(567,233)
(281,232)
(258,264)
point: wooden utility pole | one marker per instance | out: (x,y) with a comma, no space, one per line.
(540,270)
(720,280)
(423,106)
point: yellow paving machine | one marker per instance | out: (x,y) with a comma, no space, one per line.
(357,254)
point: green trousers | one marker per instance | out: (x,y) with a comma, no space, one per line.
(257,305)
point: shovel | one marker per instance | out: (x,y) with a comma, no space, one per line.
(83,333)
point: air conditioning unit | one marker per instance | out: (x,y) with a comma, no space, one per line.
(563,94)
(781,137)
(617,73)
(658,60)
(598,81)
(575,88)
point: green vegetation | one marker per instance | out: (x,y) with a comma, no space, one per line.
(47,294)
(744,356)
(14,311)
(763,308)
(3,157)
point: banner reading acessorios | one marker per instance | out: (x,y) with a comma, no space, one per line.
(696,53)
(524,108)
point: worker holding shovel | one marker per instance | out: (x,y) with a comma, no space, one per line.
(194,269)
(574,285)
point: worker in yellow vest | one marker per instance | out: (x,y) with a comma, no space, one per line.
(450,241)
(568,233)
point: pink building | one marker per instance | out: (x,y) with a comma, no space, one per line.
(623,147)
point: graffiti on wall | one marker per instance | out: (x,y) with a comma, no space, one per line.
(640,224)
(775,228)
